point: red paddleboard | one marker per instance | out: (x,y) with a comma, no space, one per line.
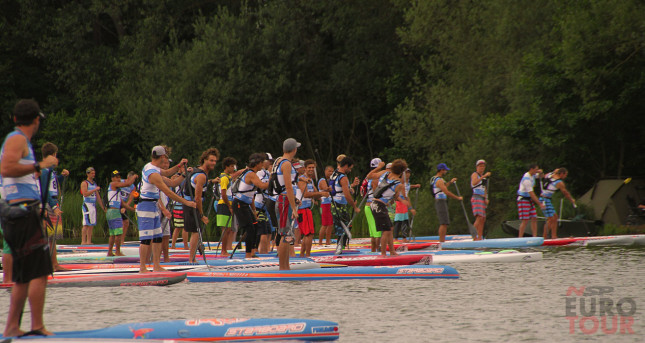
(103,280)
(560,241)
(374,260)
(410,246)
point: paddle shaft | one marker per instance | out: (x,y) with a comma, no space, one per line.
(471,228)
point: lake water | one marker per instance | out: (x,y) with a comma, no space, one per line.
(515,302)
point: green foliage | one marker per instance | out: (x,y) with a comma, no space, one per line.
(552,82)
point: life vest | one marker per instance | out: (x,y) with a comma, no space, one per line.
(436,191)
(386,188)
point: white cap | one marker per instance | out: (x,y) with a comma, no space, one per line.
(480,162)
(388,166)
(269,156)
(375,161)
(158,151)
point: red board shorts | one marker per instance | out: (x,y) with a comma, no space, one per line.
(305,221)
(526,209)
(479,205)
(326,218)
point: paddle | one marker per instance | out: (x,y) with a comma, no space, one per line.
(471,228)
(347,234)
(416,198)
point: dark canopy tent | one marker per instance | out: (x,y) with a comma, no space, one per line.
(614,201)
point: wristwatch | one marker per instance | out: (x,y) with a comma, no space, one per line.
(37,167)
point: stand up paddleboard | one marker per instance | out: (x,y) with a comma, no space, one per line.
(111,280)
(381,272)
(211,329)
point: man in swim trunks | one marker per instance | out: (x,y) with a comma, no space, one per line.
(367,191)
(479,200)
(49,177)
(287,181)
(22,228)
(326,219)
(525,199)
(225,205)
(154,180)
(115,209)
(342,199)
(305,216)
(195,189)
(552,183)
(441,194)
(386,186)
(91,196)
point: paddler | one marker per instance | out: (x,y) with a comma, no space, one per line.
(195,189)
(48,176)
(127,195)
(552,183)
(225,205)
(244,201)
(367,191)
(386,186)
(326,219)
(305,216)
(479,200)
(403,209)
(342,198)
(441,193)
(89,190)
(116,207)
(287,184)
(265,206)
(21,222)
(525,199)
(155,179)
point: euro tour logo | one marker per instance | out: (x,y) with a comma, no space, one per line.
(592,310)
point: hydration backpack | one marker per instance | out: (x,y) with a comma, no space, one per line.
(383,186)
(275,187)
(333,179)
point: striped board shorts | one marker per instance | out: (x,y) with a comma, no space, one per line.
(178,218)
(549,210)
(525,209)
(478,204)
(149,220)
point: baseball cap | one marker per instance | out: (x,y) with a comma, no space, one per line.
(480,162)
(158,151)
(269,156)
(388,166)
(298,164)
(27,110)
(442,166)
(375,161)
(89,169)
(290,144)
(115,173)
(340,157)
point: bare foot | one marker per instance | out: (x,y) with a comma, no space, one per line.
(159,269)
(110,254)
(13,333)
(118,253)
(60,269)
(144,270)
(393,254)
(45,331)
